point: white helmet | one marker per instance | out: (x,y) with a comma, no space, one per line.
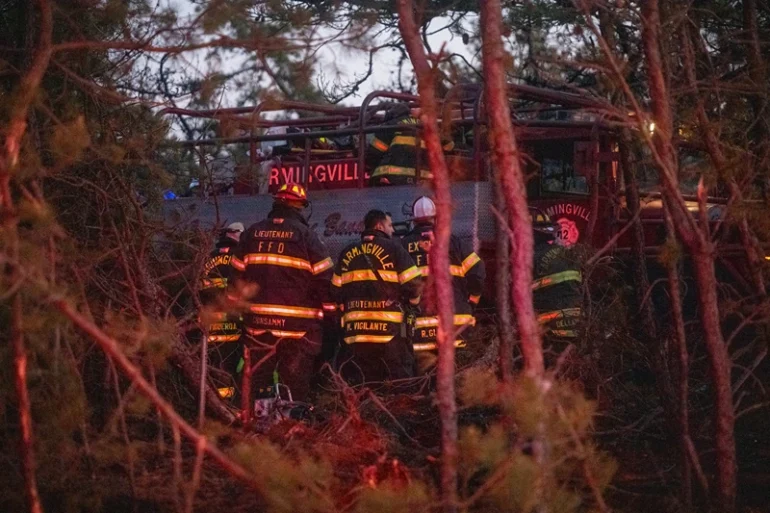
(235,227)
(423,208)
(267,147)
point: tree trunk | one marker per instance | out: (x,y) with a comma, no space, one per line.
(505,157)
(9,158)
(503,289)
(680,407)
(720,369)
(696,239)
(439,255)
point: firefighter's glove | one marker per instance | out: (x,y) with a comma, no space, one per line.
(411,310)
(410,320)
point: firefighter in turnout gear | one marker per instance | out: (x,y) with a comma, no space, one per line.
(223,328)
(284,274)
(375,281)
(468,276)
(556,289)
(396,154)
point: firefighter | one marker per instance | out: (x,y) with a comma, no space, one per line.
(394,155)
(224,329)
(557,287)
(284,274)
(375,283)
(468,275)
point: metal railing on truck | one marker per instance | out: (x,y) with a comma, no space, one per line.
(459,99)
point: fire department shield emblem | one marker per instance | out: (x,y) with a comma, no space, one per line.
(568,233)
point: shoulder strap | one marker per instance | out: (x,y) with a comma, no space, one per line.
(380,280)
(374,270)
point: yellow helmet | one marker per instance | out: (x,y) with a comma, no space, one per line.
(292,192)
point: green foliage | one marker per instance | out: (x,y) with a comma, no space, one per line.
(539,454)
(670,252)
(479,387)
(391,497)
(291,484)
(484,449)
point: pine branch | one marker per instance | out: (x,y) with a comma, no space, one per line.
(112,350)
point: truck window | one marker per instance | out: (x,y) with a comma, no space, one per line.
(555,160)
(693,164)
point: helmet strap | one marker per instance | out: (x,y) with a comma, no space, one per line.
(298,205)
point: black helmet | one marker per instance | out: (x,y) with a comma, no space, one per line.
(544,229)
(396,110)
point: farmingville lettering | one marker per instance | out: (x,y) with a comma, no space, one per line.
(367,248)
(329,172)
(569,209)
(213,262)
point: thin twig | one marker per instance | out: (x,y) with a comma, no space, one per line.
(124,430)
(178,478)
(613,240)
(202,386)
(196,478)
(750,371)
(377,402)
(695,462)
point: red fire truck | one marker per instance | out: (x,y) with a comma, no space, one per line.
(570,152)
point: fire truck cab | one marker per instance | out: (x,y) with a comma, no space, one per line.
(570,152)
